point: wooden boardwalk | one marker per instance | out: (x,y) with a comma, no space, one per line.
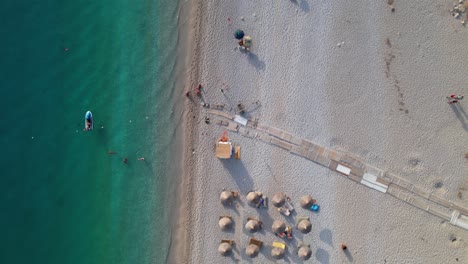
(350,167)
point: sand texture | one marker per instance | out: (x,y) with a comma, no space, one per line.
(351,76)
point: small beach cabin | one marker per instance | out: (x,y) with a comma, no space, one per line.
(224,147)
(223,150)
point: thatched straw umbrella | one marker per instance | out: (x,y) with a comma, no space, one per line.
(225,223)
(226,198)
(278,226)
(252,250)
(224,249)
(277,253)
(253,197)
(304,226)
(306,201)
(252,225)
(304,253)
(278,199)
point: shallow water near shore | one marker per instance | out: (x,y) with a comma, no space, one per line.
(64,198)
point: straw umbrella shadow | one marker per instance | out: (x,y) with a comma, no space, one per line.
(255,61)
(232,207)
(265,218)
(461,115)
(228,200)
(322,256)
(240,174)
(235,253)
(326,236)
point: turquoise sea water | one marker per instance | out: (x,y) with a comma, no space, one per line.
(63,198)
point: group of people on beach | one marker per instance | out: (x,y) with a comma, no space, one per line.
(287,233)
(453,98)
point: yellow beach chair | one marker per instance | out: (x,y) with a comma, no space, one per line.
(279,245)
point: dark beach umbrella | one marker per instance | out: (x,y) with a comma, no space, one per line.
(252,250)
(239,34)
(224,249)
(304,253)
(277,253)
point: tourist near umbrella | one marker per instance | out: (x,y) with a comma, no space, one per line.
(224,249)
(278,227)
(252,225)
(304,226)
(239,34)
(252,250)
(306,201)
(226,198)
(247,41)
(304,253)
(277,253)
(253,197)
(278,199)
(225,223)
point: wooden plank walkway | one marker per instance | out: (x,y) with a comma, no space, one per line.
(352,168)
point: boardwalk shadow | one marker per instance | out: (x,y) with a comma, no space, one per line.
(240,174)
(461,115)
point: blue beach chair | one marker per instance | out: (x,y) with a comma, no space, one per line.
(315,207)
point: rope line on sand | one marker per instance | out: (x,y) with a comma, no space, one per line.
(350,167)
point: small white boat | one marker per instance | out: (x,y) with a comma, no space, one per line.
(88,121)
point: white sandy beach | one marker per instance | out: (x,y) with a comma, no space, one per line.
(347,75)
